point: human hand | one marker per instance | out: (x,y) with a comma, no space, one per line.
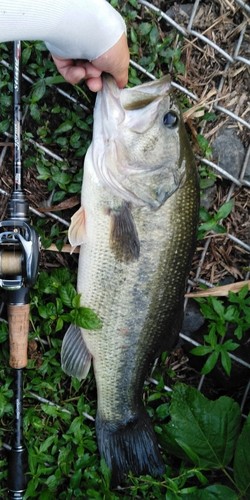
(115,62)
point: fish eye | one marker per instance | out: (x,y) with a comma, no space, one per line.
(170,119)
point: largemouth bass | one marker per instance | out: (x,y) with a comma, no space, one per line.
(136,227)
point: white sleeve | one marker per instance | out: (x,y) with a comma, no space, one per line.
(75,29)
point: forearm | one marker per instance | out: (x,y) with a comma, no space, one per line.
(77,29)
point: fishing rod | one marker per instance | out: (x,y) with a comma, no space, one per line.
(19,258)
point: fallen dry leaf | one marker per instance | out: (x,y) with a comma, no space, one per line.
(220,291)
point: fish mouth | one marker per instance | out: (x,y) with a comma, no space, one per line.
(126,106)
(119,112)
(146,93)
(134,108)
(139,97)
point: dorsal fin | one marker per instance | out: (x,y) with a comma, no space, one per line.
(124,241)
(75,356)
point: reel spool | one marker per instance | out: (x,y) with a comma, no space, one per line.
(19,254)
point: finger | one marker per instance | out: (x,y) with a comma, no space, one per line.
(92,76)
(90,69)
(115,61)
(72,74)
(94,84)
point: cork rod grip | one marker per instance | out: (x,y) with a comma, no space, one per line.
(18,316)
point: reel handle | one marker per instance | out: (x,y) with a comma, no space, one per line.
(18,318)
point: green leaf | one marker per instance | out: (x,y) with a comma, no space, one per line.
(242,460)
(162,411)
(224,210)
(74,187)
(50,410)
(64,127)
(59,325)
(32,487)
(206,183)
(207,311)
(86,318)
(218,307)
(4,126)
(204,145)
(243,292)
(208,428)
(209,117)
(39,90)
(204,215)
(75,479)
(154,35)
(201,350)
(219,229)
(5,403)
(230,345)
(52,483)
(47,443)
(54,80)
(3,331)
(145,28)
(210,363)
(226,362)
(26,53)
(189,451)
(221,327)
(76,301)
(43,311)
(61,178)
(238,332)
(67,294)
(230,312)
(215,492)
(200,476)
(208,226)
(44,172)
(212,338)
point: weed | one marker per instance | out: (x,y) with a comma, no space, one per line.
(207,177)
(221,316)
(212,222)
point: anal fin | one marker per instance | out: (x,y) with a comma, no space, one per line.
(75,356)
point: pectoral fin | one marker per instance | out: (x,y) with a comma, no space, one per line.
(124,241)
(76,231)
(75,356)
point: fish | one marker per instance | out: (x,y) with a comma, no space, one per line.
(136,228)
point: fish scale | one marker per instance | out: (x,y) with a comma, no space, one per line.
(137,234)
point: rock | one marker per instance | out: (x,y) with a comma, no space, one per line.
(208,196)
(229,152)
(247,172)
(180,12)
(193,319)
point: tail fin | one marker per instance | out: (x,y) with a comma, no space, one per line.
(129,446)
